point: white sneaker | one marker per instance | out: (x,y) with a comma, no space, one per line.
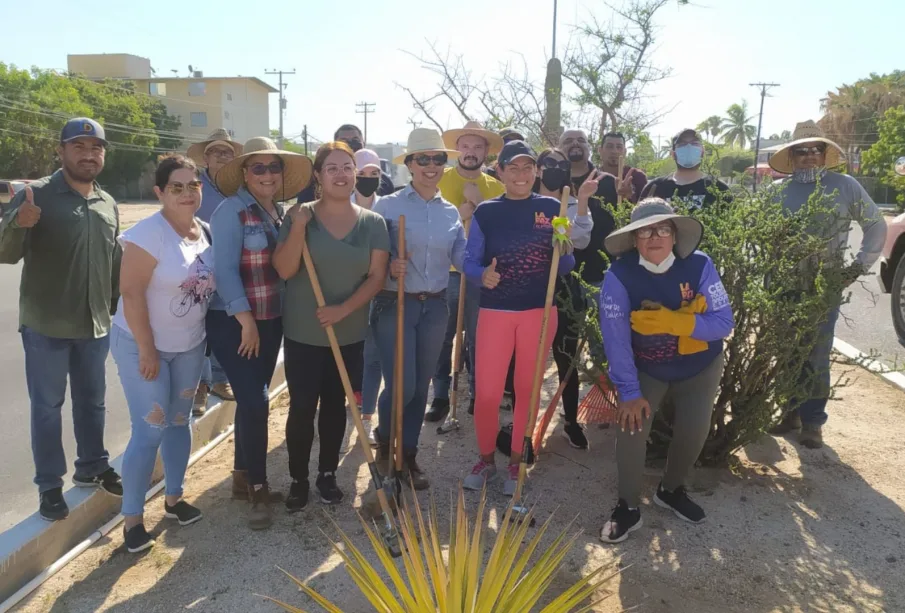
(480,475)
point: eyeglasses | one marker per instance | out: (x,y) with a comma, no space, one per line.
(550,162)
(439,159)
(275,168)
(178,188)
(803,151)
(223,154)
(662,231)
(333,169)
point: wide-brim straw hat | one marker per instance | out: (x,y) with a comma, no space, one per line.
(424,140)
(806,132)
(196,151)
(473,128)
(297,168)
(652,211)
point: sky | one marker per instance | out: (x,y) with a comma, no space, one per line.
(353,51)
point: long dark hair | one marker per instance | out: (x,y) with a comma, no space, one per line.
(540,158)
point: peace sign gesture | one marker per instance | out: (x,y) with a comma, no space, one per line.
(590,185)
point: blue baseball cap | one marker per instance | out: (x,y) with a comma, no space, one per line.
(81,127)
(515,149)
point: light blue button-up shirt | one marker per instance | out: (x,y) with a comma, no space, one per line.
(434,238)
(210,197)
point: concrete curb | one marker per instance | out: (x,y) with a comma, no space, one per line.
(33,545)
(893,378)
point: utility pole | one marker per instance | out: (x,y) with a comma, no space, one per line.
(305,136)
(282,97)
(415,124)
(763,94)
(364,108)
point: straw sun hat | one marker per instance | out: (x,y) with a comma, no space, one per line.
(650,212)
(296,168)
(806,132)
(219,136)
(424,140)
(473,128)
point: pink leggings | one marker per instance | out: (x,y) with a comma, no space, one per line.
(499,334)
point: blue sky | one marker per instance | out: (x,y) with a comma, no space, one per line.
(351,50)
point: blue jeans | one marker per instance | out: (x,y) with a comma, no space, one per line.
(817,372)
(250,380)
(48,363)
(161,414)
(370,384)
(425,325)
(212,373)
(442,378)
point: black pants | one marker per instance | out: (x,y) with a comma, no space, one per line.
(312,377)
(564,345)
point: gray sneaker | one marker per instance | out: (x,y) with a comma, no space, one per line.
(511,480)
(480,475)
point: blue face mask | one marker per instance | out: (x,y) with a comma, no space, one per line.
(689,156)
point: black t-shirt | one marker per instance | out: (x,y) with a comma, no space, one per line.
(594,264)
(696,195)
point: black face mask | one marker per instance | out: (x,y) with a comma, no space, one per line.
(555,179)
(366,186)
(354,144)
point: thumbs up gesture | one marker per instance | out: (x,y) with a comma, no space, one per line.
(28,213)
(490,277)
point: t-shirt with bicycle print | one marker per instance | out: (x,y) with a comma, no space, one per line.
(181,285)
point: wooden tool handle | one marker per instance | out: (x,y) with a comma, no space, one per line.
(460,324)
(398,365)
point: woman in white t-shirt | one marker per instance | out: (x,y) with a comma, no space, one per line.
(158,341)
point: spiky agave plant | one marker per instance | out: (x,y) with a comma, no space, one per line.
(461,582)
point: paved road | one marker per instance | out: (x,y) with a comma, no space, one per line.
(18,495)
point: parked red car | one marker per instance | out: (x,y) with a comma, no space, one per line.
(892,273)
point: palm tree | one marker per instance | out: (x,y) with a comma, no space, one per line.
(736,126)
(712,126)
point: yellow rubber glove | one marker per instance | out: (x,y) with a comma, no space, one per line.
(688,345)
(663,321)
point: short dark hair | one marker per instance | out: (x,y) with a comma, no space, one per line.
(619,135)
(347,127)
(548,152)
(169,164)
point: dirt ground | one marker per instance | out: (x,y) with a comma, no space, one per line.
(789,530)
(131,213)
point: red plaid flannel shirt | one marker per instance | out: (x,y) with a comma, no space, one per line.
(260,278)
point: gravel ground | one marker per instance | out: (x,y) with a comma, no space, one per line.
(788,530)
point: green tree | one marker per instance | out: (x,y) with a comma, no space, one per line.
(890,146)
(852,112)
(737,128)
(711,127)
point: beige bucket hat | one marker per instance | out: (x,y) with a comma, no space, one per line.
(494,140)
(219,136)
(649,212)
(423,140)
(297,168)
(806,132)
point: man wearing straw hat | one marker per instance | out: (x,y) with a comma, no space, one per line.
(808,159)
(212,155)
(466,186)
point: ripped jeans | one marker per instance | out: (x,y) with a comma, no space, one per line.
(161,413)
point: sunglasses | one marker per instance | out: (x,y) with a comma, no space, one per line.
(223,154)
(552,163)
(439,159)
(803,151)
(178,188)
(275,168)
(662,232)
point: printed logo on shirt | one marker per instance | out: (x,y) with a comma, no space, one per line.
(197,288)
(541,221)
(687,293)
(719,299)
(610,309)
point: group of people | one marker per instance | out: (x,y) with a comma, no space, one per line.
(200,297)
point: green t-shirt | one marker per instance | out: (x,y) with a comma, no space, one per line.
(342,266)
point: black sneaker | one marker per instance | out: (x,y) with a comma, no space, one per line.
(298,496)
(679,503)
(574,433)
(471,407)
(108,481)
(622,522)
(329,491)
(53,507)
(182,511)
(137,539)
(438,410)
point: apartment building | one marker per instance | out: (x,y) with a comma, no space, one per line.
(238,104)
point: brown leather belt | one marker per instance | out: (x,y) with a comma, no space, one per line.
(420,297)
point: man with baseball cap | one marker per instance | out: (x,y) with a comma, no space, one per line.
(688,183)
(65,228)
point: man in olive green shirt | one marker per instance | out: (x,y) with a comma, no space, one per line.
(65,228)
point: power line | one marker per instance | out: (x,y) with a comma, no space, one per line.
(365,109)
(763,94)
(282,97)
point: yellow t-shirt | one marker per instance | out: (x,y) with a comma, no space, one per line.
(452,186)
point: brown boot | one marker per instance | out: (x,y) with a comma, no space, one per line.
(260,516)
(240,485)
(790,423)
(811,436)
(199,406)
(381,457)
(411,472)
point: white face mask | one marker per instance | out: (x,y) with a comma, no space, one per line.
(657,269)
